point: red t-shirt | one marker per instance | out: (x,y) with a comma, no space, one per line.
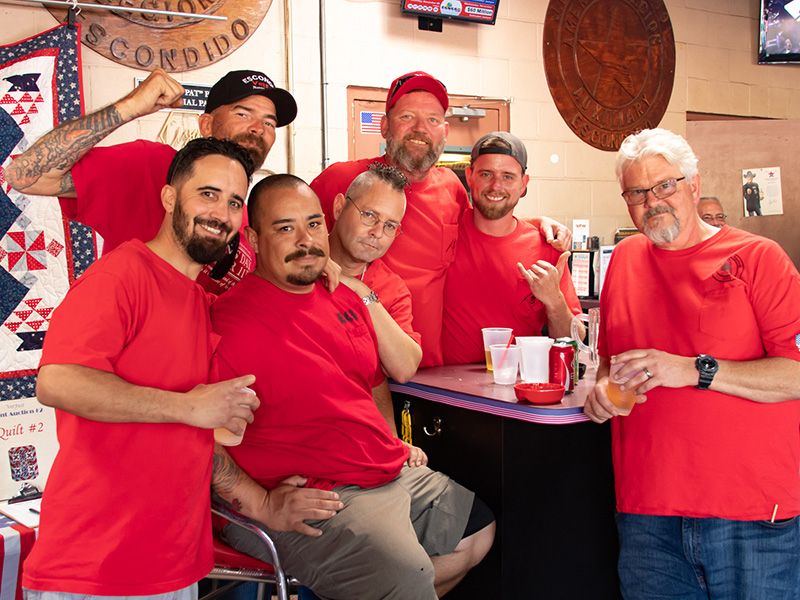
(484,288)
(426,247)
(700,453)
(126,508)
(118,192)
(315,358)
(393,294)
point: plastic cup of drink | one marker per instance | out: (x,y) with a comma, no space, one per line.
(622,399)
(494,335)
(224,436)
(505,359)
(534,353)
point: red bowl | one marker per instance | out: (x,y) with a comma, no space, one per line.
(539,393)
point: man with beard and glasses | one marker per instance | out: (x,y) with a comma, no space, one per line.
(126,364)
(385,529)
(505,274)
(703,323)
(415,131)
(115,189)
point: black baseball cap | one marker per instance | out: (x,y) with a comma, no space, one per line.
(241,84)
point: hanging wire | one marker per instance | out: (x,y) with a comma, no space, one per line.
(75,5)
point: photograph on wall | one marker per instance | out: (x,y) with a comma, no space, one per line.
(761,191)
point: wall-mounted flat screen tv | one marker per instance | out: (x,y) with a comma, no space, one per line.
(779,32)
(477,11)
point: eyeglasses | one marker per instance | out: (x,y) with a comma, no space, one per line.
(713,218)
(662,190)
(370,219)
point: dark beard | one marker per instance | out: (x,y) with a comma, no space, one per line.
(493,212)
(308,274)
(257,149)
(201,250)
(400,157)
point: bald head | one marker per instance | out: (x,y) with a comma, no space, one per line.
(710,210)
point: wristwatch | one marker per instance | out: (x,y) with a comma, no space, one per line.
(370,298)
(707,366)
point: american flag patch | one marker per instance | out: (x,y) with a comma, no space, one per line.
(797,340)
(371,121)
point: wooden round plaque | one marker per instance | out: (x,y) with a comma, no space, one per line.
(610,66)
(176,44)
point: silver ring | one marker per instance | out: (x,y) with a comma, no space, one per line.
(647,373)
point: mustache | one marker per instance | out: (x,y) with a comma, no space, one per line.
(659,210)
(313,251)
(216,224)
(418,137)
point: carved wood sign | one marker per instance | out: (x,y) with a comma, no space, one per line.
(610,66)
(147,41)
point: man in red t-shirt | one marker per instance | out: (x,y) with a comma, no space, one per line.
(415,131)
(116,189)
(126,365)
(703,323)
(504,274)
(388,530)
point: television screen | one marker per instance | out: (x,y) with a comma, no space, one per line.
(479,11)
(779,33)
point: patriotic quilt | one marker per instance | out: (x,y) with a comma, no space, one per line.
(41,253)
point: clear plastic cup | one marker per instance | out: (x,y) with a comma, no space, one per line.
(505,360)
(624,400)
(224,436)
(534,354)
(494,335)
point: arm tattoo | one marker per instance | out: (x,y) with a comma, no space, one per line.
(225,476)
(58,151)
(67,185)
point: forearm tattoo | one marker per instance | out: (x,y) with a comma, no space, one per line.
(61,148)
(225,476)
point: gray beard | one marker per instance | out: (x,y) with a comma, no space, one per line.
(400,157)
(663,235)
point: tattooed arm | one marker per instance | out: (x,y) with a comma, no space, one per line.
(44,169)
(284,508)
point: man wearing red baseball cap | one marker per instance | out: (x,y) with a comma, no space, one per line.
(116,189)
(416,131)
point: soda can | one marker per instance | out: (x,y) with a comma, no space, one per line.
(561,365)
(575,368)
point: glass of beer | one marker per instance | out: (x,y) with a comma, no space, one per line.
(491,336)
(622,399)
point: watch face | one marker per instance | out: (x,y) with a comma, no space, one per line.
(707,363)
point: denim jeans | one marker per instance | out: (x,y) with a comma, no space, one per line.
(677,557)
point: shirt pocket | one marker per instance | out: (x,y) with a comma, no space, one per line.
(725,302)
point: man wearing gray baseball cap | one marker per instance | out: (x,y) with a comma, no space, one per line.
(484,288)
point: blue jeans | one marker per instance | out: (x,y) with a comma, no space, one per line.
(693,559)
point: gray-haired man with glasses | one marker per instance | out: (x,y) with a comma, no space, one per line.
(704,324)
(710,210)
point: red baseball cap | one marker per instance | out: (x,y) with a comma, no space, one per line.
(416,80)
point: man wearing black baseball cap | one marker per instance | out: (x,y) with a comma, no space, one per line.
(116,189)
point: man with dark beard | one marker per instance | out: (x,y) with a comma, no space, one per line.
(415,130)
(382,529)
(505,274)
(706,323)
(126,364)
(115,189)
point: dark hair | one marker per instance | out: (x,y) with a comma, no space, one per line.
(183,163)
(268,184)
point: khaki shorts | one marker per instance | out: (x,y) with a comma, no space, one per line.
(379,545)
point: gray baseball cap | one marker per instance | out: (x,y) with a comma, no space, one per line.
(501,142)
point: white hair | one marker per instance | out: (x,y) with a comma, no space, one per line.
(656,142)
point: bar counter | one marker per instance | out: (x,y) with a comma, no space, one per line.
(545,471)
